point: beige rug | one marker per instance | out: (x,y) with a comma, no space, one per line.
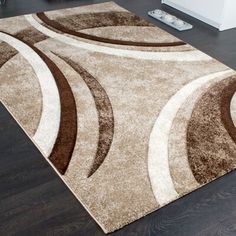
(129,116)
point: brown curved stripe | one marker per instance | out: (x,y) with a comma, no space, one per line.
(225,109)
(63,148)
(105,114)
(65,142)
(211,149)
(31,36)
(6,52)
(57,26)
(102,19)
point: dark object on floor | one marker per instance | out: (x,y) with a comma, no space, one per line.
(2,2)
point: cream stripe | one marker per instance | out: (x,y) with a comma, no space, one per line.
(233,109)
(47,130)
(158,166)
(194,55)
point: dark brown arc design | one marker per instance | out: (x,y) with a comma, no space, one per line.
(64,145)
(211,136)
(105,114)
(29,35)
(57,26)
(225,109)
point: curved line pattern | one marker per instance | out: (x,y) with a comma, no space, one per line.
(162,56)
(63,29)
(211,150)
(50,118)
(182,175)
(105,114)
(233,109)
(89,20)
(226,118)
(60,140)
(158,166)
(64,145)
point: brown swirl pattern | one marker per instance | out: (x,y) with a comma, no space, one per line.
(211,150)
(61,28)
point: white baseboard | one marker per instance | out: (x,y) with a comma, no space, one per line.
(191,13)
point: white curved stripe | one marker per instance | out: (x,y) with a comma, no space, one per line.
(233,109)
(158,166)
(194,55)
(47,130)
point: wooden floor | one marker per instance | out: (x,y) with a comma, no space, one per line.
(33,199)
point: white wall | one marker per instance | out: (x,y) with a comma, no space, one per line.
(229,15)
(218,13)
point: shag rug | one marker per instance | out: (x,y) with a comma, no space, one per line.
(129,116)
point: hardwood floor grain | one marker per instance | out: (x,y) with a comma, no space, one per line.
(33,199)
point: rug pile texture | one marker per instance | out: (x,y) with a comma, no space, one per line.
(129,116)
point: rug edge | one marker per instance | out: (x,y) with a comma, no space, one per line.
(56,171)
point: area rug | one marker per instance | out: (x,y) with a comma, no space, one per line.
(130,117)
